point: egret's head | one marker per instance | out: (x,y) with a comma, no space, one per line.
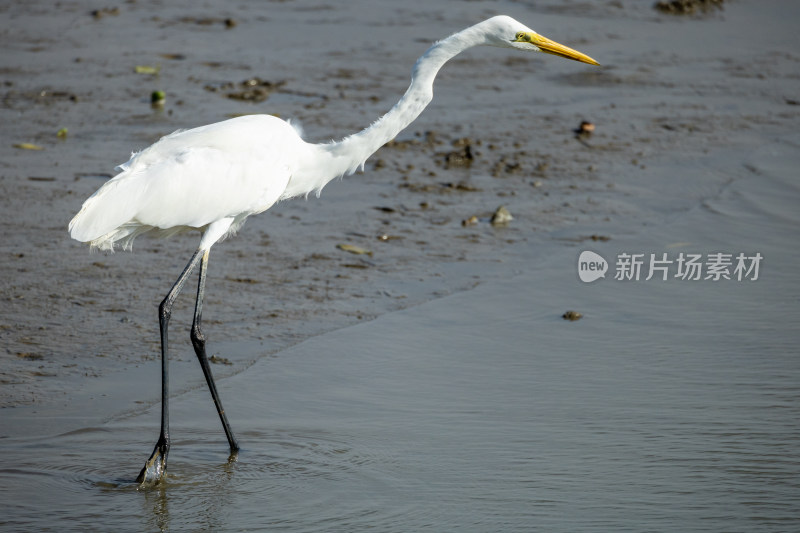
(506,32)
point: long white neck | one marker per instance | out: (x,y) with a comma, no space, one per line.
(347,155)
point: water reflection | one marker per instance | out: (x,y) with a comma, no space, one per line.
(155,505)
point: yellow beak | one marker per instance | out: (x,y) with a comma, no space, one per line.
(551,47)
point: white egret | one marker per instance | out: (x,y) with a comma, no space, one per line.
(213,177)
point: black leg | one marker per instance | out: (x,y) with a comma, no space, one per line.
(156,466)
(199,343)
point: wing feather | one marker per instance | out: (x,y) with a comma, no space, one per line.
(191,178)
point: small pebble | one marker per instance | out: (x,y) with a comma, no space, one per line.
(501,217)
(585,129)
(471,221)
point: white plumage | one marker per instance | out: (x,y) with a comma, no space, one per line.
(192,178)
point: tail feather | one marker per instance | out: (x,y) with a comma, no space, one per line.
(108,216)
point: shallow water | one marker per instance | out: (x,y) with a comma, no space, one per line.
(671,406)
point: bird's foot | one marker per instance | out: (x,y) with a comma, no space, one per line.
(234,456)
(155,468)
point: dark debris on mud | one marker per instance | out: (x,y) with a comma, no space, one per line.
(687,7)
(250,90)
